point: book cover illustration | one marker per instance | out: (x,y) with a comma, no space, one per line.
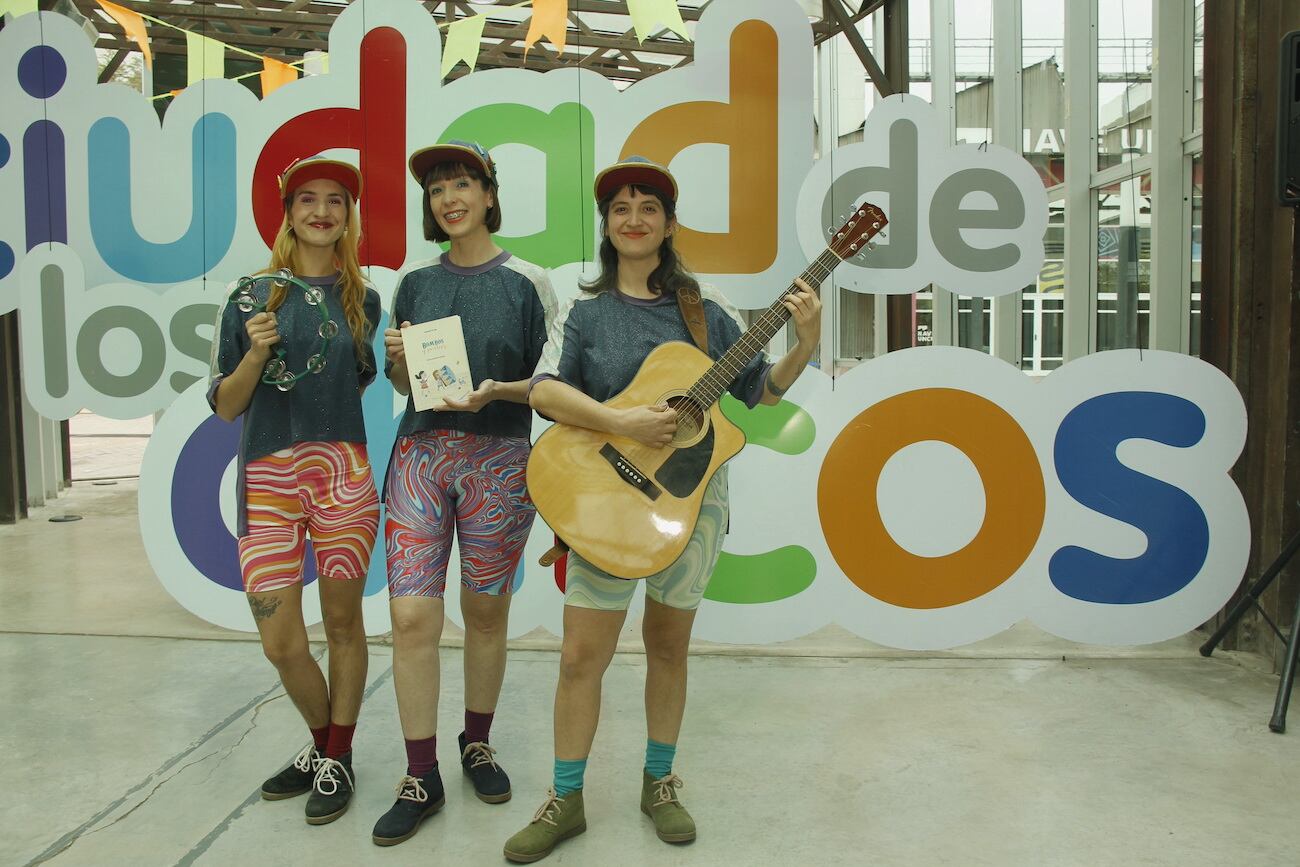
(436,362)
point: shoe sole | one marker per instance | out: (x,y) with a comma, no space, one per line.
(487,799)
(670,838)
(325,820)
(521,858)
(282,796)
(393,841)
(492,799)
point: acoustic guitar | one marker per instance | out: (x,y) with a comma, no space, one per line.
(628,508)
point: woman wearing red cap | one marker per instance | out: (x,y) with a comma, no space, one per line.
(459,471)
(293,363)
(597,345)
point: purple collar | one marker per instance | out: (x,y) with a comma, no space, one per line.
(445,261)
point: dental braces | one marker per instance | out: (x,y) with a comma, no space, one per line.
(276,371)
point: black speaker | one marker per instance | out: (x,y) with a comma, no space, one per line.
(1288,120)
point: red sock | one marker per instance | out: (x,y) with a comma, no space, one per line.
(477,726)
(321,736)
(421,756)
(340,740)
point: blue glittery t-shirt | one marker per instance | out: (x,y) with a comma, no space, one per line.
(506,306)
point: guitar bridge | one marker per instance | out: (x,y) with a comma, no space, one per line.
(628,472)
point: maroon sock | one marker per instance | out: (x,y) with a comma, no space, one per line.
(321,736)
(477,726)
(340,740)
(421,756)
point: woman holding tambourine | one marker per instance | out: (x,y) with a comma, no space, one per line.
(292,356)
(458,470)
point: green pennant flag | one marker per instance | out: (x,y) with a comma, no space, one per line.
(207,58)
(464,38)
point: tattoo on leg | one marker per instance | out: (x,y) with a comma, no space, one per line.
(263,608)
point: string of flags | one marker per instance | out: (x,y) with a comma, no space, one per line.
(205,56)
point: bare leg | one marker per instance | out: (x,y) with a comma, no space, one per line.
(590,638)
(486,618)
(345,635)
(417,629)
(278,614)
(667,635)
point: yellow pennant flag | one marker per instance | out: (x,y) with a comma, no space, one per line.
(550,19)
(17,7)
(207,58)
(276,75)
(133,24)
(464,38)
(646,14)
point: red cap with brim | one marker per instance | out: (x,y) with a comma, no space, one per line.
(302,171)
(453,152)
(635,170)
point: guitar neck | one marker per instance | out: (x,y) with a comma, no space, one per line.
(709,388)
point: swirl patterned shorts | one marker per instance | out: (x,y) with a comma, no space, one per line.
(680,586)
(319,489)
(471,484)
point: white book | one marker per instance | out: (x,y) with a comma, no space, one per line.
(436,362)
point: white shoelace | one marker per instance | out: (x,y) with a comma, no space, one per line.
(666,792)
(550,808)
(409,788)
(482,754)
(327,774)
(306,760)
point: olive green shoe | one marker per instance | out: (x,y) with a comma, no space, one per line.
(659,801)
(559,818)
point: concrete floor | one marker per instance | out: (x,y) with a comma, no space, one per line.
(135,733)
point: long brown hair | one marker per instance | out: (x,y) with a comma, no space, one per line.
(352,286)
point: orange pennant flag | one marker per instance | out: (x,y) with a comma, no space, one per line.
(550,19)
(133,24)
(276,75)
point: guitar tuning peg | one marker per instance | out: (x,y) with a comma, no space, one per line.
(875,225)
(871,245)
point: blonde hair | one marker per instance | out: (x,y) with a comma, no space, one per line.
(352,286)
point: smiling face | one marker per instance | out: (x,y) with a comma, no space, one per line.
(460,205)
(318,213)
(637,224)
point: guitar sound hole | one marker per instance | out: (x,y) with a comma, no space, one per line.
(692,420)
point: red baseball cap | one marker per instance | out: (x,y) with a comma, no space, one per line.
(301,171)
(455,151)
(635,170)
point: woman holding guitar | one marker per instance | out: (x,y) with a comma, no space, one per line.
(459,470)
(303,469)
(596,347)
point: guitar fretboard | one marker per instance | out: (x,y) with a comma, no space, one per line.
(708,389)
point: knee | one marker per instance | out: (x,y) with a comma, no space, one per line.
(579,661)
(286,652)
(487,624)
(661,652)
(413,628)
(344,627)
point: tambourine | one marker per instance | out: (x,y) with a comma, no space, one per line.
(276,371)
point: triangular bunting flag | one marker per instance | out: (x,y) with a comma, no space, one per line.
(207,57)
(550,19)
(17,7)
(276,75)
(646,14)
(133,24)
(464,38)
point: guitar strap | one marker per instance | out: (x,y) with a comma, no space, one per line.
(688,301)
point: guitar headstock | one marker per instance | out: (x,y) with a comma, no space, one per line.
(854,237)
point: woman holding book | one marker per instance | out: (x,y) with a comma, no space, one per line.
(459,470)
(303,469)
(597,345)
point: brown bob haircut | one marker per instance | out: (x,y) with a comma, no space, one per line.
(447,171)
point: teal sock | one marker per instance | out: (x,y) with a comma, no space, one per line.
(659,758)
(568,776)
